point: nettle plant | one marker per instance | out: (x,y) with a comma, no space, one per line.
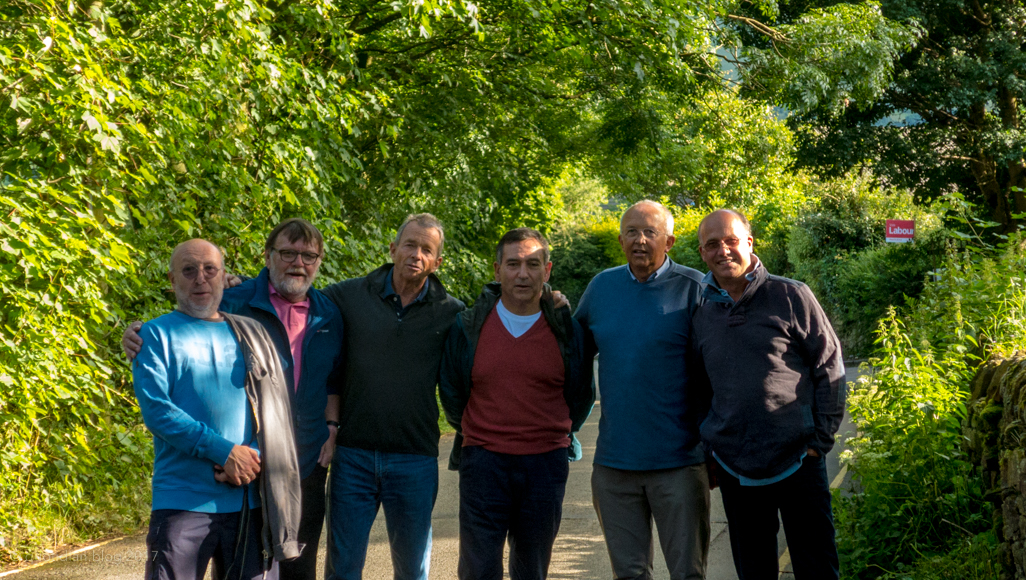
(916,497)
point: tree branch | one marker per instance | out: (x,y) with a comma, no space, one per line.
(774,35)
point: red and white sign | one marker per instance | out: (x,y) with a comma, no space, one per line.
(901,231)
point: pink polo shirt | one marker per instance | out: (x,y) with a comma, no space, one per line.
(293,316)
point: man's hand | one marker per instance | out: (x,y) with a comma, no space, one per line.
(560,299)
(131,342)
(231,281)
(242,467)
(812,452)
(713,470)
(328,449)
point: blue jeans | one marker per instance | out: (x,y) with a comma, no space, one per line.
(361,482)
(803,501)
(514,496)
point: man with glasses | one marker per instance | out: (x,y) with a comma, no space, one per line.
(649,464)
(306,328)
(769,360)
(196,397)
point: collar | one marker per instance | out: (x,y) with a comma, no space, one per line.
(389,291)
(716,294)
(273,292)
(660,270)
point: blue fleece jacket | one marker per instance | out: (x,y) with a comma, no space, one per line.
(189,379)
(641,332)
(322,359)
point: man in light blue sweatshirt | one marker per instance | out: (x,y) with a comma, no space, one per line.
(649,464)
(190,382)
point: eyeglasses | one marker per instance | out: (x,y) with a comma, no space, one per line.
(634,233)
(289,256)
(714,245)
(209,271)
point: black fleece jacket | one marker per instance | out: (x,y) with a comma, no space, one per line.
(388,393)
(772,367)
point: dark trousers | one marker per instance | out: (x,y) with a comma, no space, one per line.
(502,496)
(310,524)
(181,544)
(803,501)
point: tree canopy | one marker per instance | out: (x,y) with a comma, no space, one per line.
(951,117)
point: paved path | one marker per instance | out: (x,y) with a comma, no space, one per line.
(579,554)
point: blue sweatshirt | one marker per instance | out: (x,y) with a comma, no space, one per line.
(190,382)
(641,331)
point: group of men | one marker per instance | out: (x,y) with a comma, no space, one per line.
(732,378)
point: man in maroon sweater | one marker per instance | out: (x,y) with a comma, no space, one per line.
(515,387)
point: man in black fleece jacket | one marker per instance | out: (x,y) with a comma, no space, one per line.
(773,375)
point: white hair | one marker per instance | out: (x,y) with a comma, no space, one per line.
(659,207)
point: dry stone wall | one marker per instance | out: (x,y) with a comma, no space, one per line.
(995,431)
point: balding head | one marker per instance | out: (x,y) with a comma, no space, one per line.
(740,217)
(192,246)
(646,206)
(197,275)
(646,235)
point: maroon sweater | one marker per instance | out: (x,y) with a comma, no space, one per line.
(517,404)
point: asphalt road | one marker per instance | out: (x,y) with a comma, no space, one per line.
(579,553)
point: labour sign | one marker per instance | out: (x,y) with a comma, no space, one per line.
(901,231)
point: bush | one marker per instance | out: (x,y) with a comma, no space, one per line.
(837,247)
(579,252)
(917,503)
(869,282)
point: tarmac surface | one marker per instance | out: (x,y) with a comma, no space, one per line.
(579,553)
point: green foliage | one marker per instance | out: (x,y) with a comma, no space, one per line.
(577,255)
(714,149)
(951,118)
(837,247)
(975,559)
(130,125)
(917,501)
(801,72)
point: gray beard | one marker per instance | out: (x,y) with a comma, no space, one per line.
(290,288)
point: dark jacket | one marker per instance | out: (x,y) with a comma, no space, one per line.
(772,366)
(458,363)
(391,371)
(280,494)
(322,358)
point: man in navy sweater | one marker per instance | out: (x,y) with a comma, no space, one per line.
(649,464)
(767,356)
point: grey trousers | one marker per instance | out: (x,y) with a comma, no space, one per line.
(677,499)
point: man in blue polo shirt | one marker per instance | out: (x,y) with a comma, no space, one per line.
(649,464)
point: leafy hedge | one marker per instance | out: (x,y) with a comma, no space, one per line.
(916,509)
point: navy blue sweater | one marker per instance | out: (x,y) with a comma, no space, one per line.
(641,332)
(322,359)
(772,365)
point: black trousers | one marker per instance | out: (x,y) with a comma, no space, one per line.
(514,496)
(310,524)
(803,502)
(182,544)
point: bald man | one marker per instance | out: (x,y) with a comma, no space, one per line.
(649,464)
(190,379)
